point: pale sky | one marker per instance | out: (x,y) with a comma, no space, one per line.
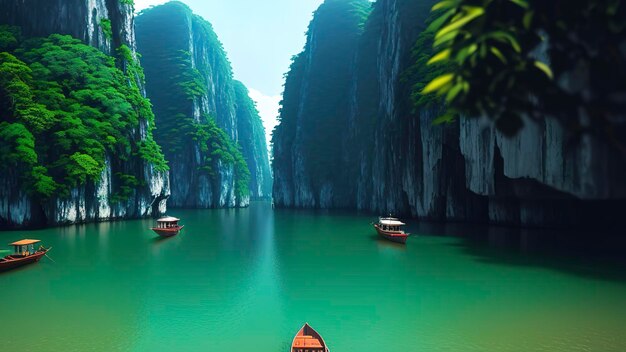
(260,37)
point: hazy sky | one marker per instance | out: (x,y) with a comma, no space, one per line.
(260,37)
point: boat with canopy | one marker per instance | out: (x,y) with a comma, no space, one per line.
(167,227)
(391,229)
(24,253)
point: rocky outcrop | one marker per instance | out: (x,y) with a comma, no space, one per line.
(466,171)
(253,145)
(93,201)
(82,19)
(190,83)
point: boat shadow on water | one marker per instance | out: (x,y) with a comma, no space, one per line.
(384,243)
(20,269)
(158,240)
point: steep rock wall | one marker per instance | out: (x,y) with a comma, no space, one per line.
(92,201)
(190,82)
(465,171)
(311,144)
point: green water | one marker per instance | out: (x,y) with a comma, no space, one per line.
(246,280)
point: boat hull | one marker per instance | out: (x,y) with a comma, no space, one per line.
(167,232)
(308,333)
(10,262)
(392,236)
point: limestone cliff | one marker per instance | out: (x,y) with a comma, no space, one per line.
(92,201)
(396,161)
(253,145)
(190,83)
(310,145)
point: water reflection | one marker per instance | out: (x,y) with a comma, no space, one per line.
(600,254)
(119,286)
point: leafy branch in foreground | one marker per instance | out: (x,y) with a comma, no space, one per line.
(510,59)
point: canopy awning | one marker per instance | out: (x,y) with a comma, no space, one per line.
(392,222)
(24,242)
(168,219)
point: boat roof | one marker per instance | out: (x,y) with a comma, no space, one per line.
(168,219)
(24,242)
(391,222)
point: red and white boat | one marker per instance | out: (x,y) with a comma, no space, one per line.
(391,229)
(308,340)
(24,254)
(168,227)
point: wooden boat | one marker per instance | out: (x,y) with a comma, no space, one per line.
(25,253)
(308,340)
(167,227)
(391,229)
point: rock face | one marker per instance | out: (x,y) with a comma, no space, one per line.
(91,202)
(310,158)
(253,145)
(190,83)
(81,19)
(398,162)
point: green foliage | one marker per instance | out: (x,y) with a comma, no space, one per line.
(215,147)
(105,24)
(191,81)
(128,2)
(514,58)
(17,149)
(82,166)
(128,184)
(66,107)
(9,37)
(424,69)
(176,84)
(40,183)
(18,144)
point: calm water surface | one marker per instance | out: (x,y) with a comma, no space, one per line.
(246,280)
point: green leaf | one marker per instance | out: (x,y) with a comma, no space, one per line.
(506,37)
(520,3)
(528,19)
(445,4)
(495,51)
(436,24)
(438,83)
(443,55)
(448,117)
(445,38)
(545,68)
(471,13)
(454,91)
(465,52)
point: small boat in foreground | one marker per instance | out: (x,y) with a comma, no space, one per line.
(308,340)
(25,253)
(391,229)
(167,227)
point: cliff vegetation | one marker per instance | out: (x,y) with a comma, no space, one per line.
(66,107)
